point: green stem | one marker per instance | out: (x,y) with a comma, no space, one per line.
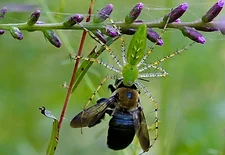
(92,26)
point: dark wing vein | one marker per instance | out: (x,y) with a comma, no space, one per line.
(92,115)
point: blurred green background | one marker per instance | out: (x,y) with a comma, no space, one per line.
(191,100)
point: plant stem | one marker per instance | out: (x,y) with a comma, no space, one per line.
(75,67)
(91,26)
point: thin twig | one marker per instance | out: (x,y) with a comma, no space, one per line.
(75,67)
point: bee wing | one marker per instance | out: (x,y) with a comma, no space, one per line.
(92,115)
(141,129)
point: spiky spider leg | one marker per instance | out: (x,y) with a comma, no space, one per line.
(154,64)
(123,50)
(101,62)
(155,107)
(104,45)
(98,88)
(162,74)
(154,45)
(153,75)
(122,41)
(172,55)
(74,57)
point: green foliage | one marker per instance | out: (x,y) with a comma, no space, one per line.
(191,99)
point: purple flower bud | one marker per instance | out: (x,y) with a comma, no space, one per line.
(33,18)
(176,13)
(154,37)
(206,28)
(213,11)
(39,22)
(134,13)
(222,30)
(219,25)
(103,14)
(16,33)
(128,31)
(177,20)
(138,21)
(52,38)
(111,31)
(72,20)
(193,34)
(79,18)
(2,12)
(2,32)
(100,36)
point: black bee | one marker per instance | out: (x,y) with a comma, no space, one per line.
(127,117)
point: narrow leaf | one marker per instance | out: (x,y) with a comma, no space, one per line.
(55,131)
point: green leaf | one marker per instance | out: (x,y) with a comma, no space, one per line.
(55,131)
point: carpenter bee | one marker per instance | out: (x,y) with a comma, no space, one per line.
(127,117)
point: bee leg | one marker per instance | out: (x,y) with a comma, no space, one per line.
(111,88)
(98,88)
(101,100)
(109,112)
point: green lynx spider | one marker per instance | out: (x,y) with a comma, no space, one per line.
(131,71)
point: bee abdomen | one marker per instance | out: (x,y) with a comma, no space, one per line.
(121,131)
